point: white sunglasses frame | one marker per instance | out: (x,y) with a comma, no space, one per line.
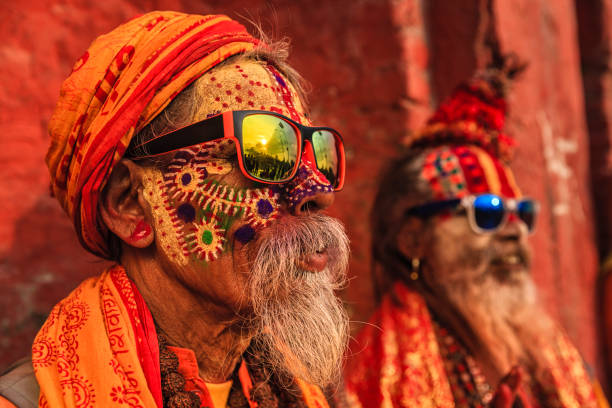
(510,205)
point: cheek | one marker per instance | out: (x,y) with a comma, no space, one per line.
(457,252)
(193,212)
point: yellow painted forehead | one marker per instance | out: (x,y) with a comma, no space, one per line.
(248,85)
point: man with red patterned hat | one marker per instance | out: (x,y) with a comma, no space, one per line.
(459,324)
(181,149)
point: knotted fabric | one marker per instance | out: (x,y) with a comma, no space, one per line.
(118,86)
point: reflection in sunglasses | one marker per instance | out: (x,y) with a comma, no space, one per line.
(270,147)
(324,146)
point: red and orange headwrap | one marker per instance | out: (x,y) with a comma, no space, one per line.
(467,149)
(118,86)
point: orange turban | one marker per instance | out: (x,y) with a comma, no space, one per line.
(120,84)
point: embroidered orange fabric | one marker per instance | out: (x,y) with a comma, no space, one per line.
(99,347)
(96,348)
(396,362)
(121,83)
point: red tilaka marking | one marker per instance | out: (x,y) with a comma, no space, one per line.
(285,93)
(141,231)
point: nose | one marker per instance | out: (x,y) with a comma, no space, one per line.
(309,192)
(315,203)
(514,229)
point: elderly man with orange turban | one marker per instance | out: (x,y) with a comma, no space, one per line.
(459,324)
(182,150)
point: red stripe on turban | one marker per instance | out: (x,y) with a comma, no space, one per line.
(120,84)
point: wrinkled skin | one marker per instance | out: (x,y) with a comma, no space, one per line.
(457,253)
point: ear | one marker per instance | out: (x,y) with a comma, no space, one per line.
(410,239)
(123,208)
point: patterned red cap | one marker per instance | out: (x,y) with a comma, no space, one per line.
(474,114)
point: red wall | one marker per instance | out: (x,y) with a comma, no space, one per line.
(376,68)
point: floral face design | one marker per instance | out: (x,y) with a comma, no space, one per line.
(193,210)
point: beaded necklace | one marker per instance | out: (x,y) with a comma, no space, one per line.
(468,384)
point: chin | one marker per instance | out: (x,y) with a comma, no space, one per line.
(511,274)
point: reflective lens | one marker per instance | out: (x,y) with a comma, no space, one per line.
(270,147)
(326,155)
(488,211)
(526,210)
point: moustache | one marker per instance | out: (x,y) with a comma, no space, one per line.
(519,257)
(304,244)
(302,325)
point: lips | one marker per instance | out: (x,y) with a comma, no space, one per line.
(314,262)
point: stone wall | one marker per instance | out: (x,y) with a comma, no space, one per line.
(376,69)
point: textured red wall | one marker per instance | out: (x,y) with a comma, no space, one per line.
(596,56)
(376,68)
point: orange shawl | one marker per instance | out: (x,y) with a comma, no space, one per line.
(120,84)
(99,347)
(396,362)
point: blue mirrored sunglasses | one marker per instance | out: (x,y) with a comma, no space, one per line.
(486,212)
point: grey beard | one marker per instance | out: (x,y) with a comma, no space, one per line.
(505,316)
(301,324)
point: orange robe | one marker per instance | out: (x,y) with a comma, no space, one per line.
(99,347)
(402,360)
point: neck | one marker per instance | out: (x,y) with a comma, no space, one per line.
(189,320)
(461,328)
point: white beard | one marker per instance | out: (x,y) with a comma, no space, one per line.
(506,318)
(303,328)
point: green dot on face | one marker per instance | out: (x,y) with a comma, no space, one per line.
(207,237)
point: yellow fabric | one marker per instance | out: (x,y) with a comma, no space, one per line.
(85,354)
(395,360)
(219,393)
(486,161)
(569,383)
(494,175)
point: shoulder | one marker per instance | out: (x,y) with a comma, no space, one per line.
(19,386)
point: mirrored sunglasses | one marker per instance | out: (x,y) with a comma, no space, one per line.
(269,145)
(486,213)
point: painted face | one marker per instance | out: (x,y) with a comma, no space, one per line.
(201,194)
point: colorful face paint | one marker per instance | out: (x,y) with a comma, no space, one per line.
(193,211)
(308,182)
(247,86)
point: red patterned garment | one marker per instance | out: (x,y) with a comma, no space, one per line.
(404,358)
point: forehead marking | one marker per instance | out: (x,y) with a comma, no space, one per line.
(287,98)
